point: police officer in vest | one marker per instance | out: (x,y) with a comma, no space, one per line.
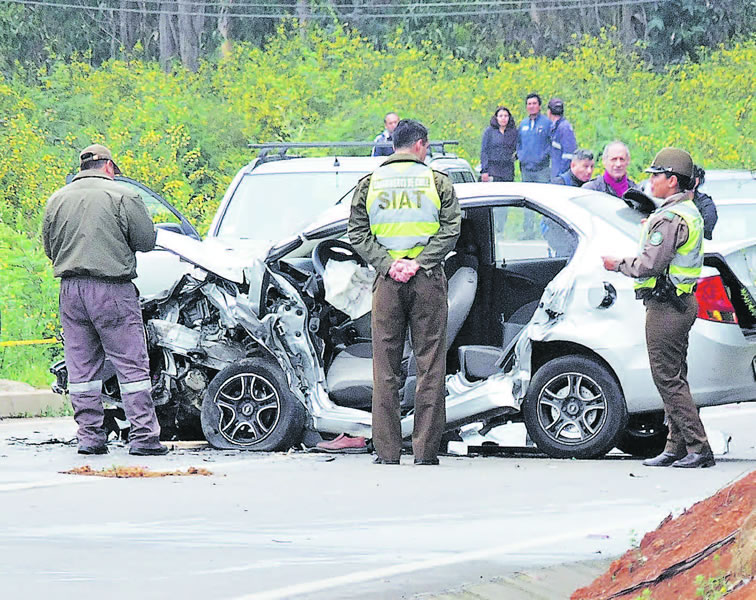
(666,271)
(91,229)
(405,219)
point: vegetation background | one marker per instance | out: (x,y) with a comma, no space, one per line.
(183,129)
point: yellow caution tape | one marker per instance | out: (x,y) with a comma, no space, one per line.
(30,342)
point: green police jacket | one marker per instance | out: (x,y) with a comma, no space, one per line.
(93,226)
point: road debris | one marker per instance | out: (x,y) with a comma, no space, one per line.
(123,472)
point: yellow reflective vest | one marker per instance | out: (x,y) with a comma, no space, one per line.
(403,206)
(685,268)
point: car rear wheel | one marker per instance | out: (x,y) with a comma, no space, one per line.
(645,435)
(574,408)
(248,406)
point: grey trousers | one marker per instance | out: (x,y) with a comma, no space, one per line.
(667,332)
(103,319)
(420,303)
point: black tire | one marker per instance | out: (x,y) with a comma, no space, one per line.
(645,435)
(574,408)
(248,406)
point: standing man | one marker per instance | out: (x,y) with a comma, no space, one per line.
(405,219)
(704,202)
(389,121)
(666,272)
(91,229)
(563,142)
(580,171)
(534,143)
(614,181)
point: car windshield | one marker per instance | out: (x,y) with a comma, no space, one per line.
(736,222)
(612,210)
(277,205)
(735,187)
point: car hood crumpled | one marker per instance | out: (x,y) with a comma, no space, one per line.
(214,255)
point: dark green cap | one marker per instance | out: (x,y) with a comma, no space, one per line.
(673,161)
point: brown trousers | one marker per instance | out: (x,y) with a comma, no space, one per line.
(421,304)
(667,332)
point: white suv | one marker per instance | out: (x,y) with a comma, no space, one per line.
(277,195)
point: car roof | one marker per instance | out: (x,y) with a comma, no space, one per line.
(717,174)
(319,164)
(336,163)
(554,198)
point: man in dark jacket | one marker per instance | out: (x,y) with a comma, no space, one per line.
(704,203)
(580,171)
(614,181)
(91,230)
(386,137)
(563,142)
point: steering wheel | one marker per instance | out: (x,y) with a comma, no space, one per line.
(333,250)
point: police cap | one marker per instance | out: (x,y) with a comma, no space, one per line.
(97,152)
(672,161)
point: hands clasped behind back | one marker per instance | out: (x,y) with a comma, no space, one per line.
(403,269)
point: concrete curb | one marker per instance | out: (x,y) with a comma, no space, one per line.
(32,402)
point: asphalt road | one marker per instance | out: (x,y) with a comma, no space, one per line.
(303,525)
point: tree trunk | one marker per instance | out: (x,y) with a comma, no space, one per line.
(167,46)
(126,24)
(189,33)
(224,27)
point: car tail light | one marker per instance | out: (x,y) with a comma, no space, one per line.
(713,302)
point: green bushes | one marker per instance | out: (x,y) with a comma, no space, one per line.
(185,134)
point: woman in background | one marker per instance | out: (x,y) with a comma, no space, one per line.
(498,147)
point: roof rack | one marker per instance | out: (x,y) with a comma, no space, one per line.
(283,147)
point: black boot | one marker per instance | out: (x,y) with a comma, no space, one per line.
(696,460)
(665,459)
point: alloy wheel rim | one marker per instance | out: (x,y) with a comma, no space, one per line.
(249,409)
(572,409)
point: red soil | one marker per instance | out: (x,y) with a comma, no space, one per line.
(677,540)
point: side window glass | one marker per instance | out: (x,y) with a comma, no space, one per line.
(521,233)
(456,176)
(158,211)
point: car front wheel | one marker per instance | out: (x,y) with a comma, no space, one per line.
(574,408)
(248,406)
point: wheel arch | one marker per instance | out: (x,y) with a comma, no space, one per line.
(543,352)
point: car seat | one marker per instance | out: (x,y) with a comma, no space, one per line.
(350,375)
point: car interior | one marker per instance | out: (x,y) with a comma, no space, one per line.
(502,262)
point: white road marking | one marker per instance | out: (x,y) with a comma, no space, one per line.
(403,569)
(30,485)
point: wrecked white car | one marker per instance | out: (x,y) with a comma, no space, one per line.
(256,353)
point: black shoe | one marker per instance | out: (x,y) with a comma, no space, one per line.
(694,460)
(160,450)
(429,461)
(665,459)
(93,449)
(382,461)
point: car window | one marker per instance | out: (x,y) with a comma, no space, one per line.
(271,206)
(158,211)
(457,176)
(735,222)
(521,233)
(740,187)
(612,210)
